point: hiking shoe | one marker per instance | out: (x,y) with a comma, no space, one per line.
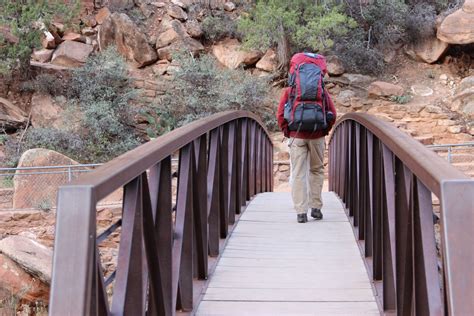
(316,213)
(302,218)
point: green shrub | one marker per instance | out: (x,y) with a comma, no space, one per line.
(23,17)
(218,27)
(100,112)
(400,99)
(202,88)
(421,22)
(299,24)
(358,56)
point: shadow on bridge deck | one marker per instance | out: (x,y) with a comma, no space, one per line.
(274,266)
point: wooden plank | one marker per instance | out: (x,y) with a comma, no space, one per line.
(273,265)
(287,308)
(289,295)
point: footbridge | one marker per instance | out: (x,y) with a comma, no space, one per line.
(209,237)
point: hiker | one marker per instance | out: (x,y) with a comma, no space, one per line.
(305,114)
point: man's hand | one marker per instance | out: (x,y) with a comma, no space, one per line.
(286,132)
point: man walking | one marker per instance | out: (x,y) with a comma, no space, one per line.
(305,114)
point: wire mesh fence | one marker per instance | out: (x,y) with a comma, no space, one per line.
(36,187)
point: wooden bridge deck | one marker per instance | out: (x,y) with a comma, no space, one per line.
(274,266)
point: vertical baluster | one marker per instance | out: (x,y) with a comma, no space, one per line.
(389,244)
(362,179)
(270,167)
(427,284)
(258,162)
(238,163)
(252,160)
(232,172)
(223,184)
(156,305)
(99,303)
(404,233)
(369,209)
(244,162)
(213,193)
(128,289)
(377,202)
(356,177)
(161,205)
(183,243)
(200,206)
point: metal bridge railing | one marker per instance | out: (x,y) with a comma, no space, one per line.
(386,180)
(164,256)
(450,147)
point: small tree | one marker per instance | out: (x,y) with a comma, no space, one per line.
(297,24)
(21,25)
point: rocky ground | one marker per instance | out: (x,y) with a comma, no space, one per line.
(432,102)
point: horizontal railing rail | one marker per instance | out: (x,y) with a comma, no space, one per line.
(449,148)
(167,242)
(386,180)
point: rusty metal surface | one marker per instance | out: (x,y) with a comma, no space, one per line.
(162,262)
(386,180)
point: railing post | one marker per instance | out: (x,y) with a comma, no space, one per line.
(73,270)
(457,236)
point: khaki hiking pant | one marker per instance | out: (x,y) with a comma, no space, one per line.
(307,172)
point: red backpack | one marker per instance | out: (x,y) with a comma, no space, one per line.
(306,107)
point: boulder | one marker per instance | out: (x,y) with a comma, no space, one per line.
(466,83)
(121,4)
(48,41)
(268,62)
(193,27)
(384,89)
(45,112)
(16,282)
(344,97)
(42,55)
(186,44)
(75,37)
(38,191)
(463,101)
(182,3)
(177,12)
(32,256)
(428,50)
(71,54)
(357,79)
(174,33)
(11,116)
(102,15)
(229,6)
(334,66)
(458,27)
(119,30)
(230,53)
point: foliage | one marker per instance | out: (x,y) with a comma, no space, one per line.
(202,88)
(306,24)
(218,27)
(357,55)
(400,99)
(46,84)
(25,20)
(421,22)
(99,112)
(386,22)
